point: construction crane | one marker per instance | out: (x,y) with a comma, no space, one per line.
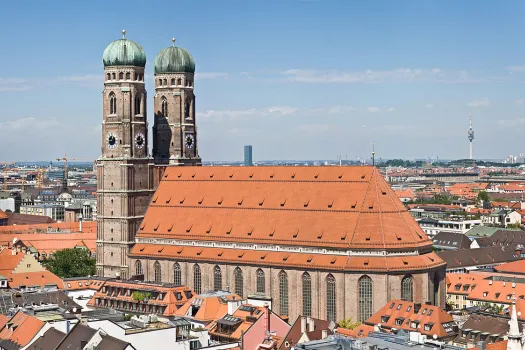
(6,164)
(66,159)
(40,177)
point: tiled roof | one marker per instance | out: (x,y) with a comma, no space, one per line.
(405,315)
(462,283)
(517,267)
(48,341)
(453,240)
(497,291)
(246,320)
(472,329)
(79,333)
(81,283)
(360,331)
(294,334)
(478,256)
(3,215)
(3,320)
(281,258)
(210,307)
(21,328)
(28,219)
(333,207)
(88,226)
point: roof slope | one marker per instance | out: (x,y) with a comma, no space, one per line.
(478,256)
(21,328)
(48,341)
(333,207)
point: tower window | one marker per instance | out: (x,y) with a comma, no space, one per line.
(114,76)
(121,76)
(112,103)
(137,105)
(160,82)
(128,76)
(179,81)
(164,107)
(165,82)
(172,81)
(108,76)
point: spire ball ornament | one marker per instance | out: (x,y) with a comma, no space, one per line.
(123,33)
(173,41)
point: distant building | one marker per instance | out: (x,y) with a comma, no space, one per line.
(248,160)
(55,212)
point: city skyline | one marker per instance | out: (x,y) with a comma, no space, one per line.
(346,74)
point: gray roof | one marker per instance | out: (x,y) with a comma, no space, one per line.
(479,256)
(76,337)
(481,231)
(48,341)
(111,343)
(451,241)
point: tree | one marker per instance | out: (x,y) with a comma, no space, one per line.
(76,262)
(348,324)
(483,196)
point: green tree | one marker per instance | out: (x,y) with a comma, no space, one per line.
(483,196)
(348,324)
(76,262)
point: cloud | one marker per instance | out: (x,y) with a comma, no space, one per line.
(28,123)
(14,84)
(373,109)
(482,102)
(511,122)
(275,111)
(429,106)
(520,101)
(377,76)
(315,128)
(519,68)
(391,109)
(210,75)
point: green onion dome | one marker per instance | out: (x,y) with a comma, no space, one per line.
(174,59)
(124,52)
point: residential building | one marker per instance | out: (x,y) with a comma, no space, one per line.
(54,211)
(502,217)
(459,286)
(453,225)
(19,331)
(306,329)
(481,330)
(82,289)
(481,258)
(141,297)
(202,309)
(451,241)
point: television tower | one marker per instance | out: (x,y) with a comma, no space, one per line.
(470,135)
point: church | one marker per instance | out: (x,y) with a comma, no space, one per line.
(327,242)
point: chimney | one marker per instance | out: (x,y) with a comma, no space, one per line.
(490,282)
(417,307)
(267,313)
(80,222)
(68,326)
(324,333)
(311,324)
(303,324)
(83,344)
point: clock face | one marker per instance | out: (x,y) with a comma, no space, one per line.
(111,140)
(140,140)
(189,141)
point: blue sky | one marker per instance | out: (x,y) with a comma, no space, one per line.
(296,79)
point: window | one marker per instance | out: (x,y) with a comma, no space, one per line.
(392,305)
(177,275)
(283,293)
(217,278)
(137,105)
(179,81)
(108,76)
(164,107)
(121,76)
(430,312)
(307,294)
(260,281)
(407,292)
(112,103)
(114,76)
(331,312)
(157,272)
(173,81)
(399,306)
(399,322)
(128,76)
(239,282)
(160,82)
(165,82)
(138,268)
(197,279)
(365,298)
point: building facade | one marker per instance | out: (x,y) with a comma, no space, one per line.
(124,170)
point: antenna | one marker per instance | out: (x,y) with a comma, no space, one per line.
(373,154)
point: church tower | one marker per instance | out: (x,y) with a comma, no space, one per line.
(174,129)
(124,170)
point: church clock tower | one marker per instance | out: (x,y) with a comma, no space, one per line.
(124,170)
(174,129)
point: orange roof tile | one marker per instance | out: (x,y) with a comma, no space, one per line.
(517,267)
(497,291)
(401,314)
(500,345)
(3,320)
(21,328)
(211,307)
(337,207)
(360,331)
(3,215)
(50,242)
(461,283)
(87,226)
(37,278)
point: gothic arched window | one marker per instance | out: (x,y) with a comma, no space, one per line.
(121,76)
(128,76)
(157,272)
(239,281)
(172,81)
(112,103)
(179,81)
(283,293)
(307,294)
(260,281)
(108,76)
(137,105)
(407,288)
(365,298)
(114,76)
(197,279)
(138,268)
(164,107)
(165,82)
(331,308)
(177,275)
(217,278)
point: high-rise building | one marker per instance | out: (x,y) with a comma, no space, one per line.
(470,136)
(124,170)
(248,161)
(174,131)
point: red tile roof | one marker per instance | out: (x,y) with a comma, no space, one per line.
(211,307)
(517,267)
(401,314)
(21,328)
(3,215)
(40,277)
(360,331)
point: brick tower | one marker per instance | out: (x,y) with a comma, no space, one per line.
(124,170)
(174,129)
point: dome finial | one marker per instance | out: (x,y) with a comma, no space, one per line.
(124,34)
(173,41)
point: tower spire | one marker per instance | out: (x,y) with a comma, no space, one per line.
(373,154)
(124,34)
(470,135)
